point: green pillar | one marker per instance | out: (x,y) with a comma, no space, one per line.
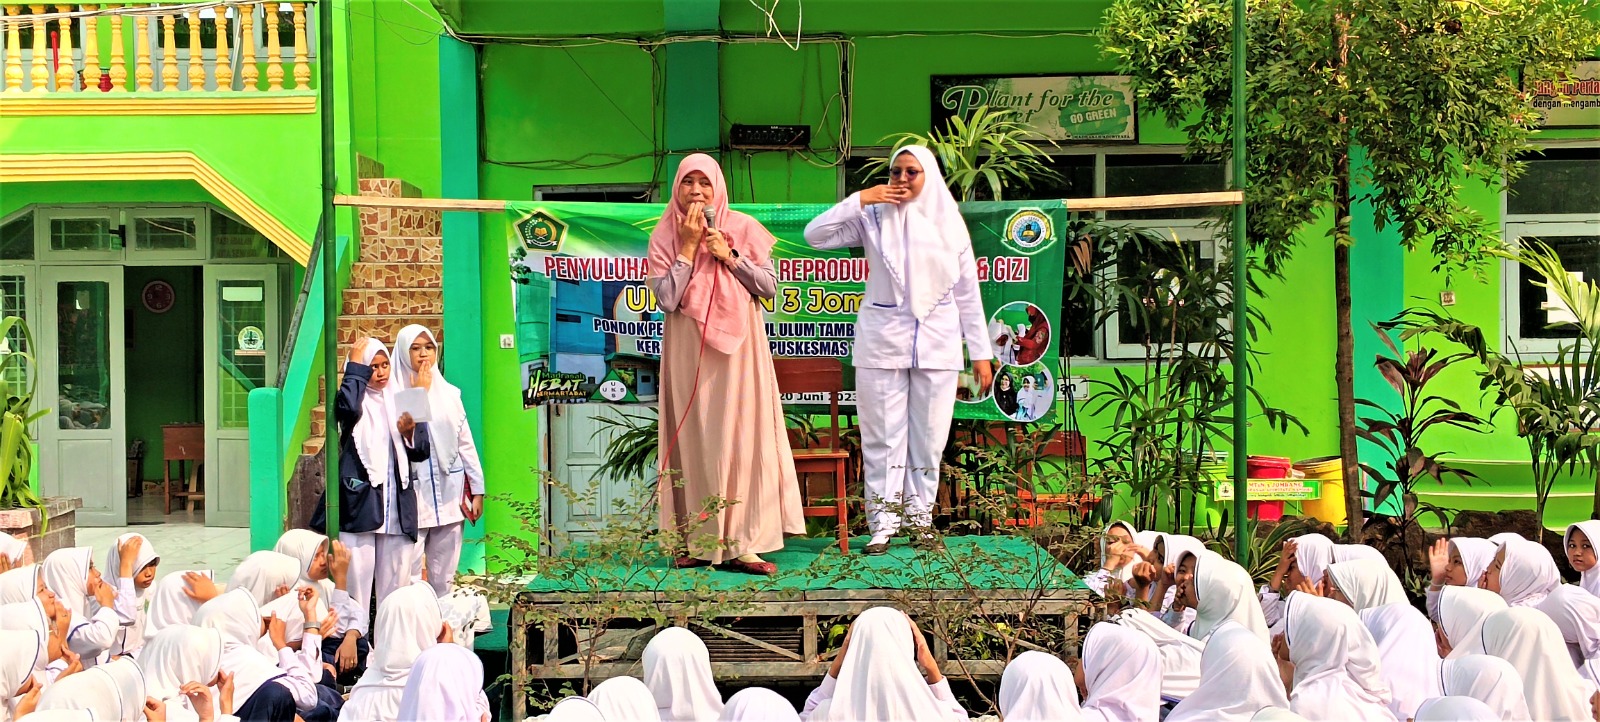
(1377,293)
(693,112)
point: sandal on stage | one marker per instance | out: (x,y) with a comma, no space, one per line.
(688,562)
(760,569)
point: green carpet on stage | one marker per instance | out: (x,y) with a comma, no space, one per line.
(807,564)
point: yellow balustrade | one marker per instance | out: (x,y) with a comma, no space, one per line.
(91,51)
(197,58)
(119,64)
(274,49)
(169,52)
(66,69)
(13,50)
(142,74)
(247,54)
(40,72)
(302,63)
(224,69)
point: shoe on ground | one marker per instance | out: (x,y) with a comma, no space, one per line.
(877,548)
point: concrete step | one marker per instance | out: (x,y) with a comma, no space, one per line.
(312,446)
(393,302)
(396,275)
(402,249)
(384,327)
(401,222)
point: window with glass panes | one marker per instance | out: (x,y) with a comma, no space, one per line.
(1555,202)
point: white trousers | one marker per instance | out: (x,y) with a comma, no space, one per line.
(441,547)
(905,423)
(363,554)
(397,555)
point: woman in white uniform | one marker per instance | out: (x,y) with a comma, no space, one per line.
(921,304)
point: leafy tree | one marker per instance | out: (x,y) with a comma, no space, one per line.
(1429,89)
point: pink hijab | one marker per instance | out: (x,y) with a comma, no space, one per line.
(724,317)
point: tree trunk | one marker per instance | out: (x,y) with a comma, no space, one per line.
(1344,361)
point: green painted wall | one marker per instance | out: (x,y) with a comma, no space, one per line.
(163,358)
(394,77)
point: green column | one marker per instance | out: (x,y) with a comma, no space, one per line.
(693,102)
(1377,293)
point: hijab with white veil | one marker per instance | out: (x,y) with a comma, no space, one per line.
(752,704)
(236,617)
(1238,678)
(444,399)
(1408,654)
(626,698)
(879,680)
(1590,580)
(1461,614)
(1122,671)
(1577,614)
(170,604)
(1038,687)
(1367,583)
(677,669)
(446,685)
(1527,572)
(1488,679)
(1531,642)
(176,656)
(408,624)
(1337,674)
(1225,593)
(932,223)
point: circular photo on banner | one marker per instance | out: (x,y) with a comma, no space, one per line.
(1020,333)
(1024,393)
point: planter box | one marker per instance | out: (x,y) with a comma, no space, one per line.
(61,531)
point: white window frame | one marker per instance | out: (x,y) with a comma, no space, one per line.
(1510,276)
(1202,231)
(42,219)
(201,218)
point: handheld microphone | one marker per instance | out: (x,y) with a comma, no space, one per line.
(711,216)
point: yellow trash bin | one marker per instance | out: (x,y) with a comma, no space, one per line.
(1330,506)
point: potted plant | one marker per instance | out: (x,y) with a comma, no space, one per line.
(17,448)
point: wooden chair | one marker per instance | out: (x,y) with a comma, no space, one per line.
(810,376)
(183,443)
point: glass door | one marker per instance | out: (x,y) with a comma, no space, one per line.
(241,354)
(83,447)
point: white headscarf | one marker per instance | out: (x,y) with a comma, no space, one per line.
(130,686)
(1476,556)
(169,604)
(1410,658)
(1038,687)
(1454,709)
(13,548)
(1122,671)
(93,690)
(677,669)
(20,584)
(146,556)
(1590,580)
(66,574)
(1313,553)
(1180,653)
(1174,546)
(176,656)
(626,698)
(1337,674)
(28,617)
(1352,552)
(1461,614)
(375,437)
(1506,536)
(1277,714)
(444,399)
(1577,614)
(24,648)
(1488,679)
(304,545)
(878,680)
(1238,678)
(753,704)
(408,624)
(1527,573)
(1225,593)
(446,685)
(924,240)
(571,709)
(1531,642)
(264,573)
(1367,583)
(1124,572)
(236,617)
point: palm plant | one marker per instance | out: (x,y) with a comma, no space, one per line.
(16,448)
(990,150)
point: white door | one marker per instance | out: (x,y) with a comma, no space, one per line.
(83,446)
(241,355)
(582,497)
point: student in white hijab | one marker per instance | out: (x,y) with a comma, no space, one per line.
(1224,592)
(12,550)
(446,685)
(130,686)
(1118,556)
(1038,687)
(1488,679)
(1407,654)
(1580,542)
(1461,614)
(1352,552)
(133,561)
(235,615)
(1238,678)
(70,574)
(627,698)
(1121,676)
(1523,572)
(449,485)
(182,664)
(677,669)
(408,624)
(1364,584)
(1170,550)
(920,304)
(326,569)
(884,673)
(1506,536)
(1304,558)
(94,691)
(1531,642)
(20,584)
(1457,562)
(1454,709)
(575,709)
(170,602)
(752,704)
(1337,674)
(267,575)
(1577,614)
(25,654)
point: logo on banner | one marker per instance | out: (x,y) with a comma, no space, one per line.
(541,231)
(1029,230)
(545,386)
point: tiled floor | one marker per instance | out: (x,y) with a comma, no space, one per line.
(182,538)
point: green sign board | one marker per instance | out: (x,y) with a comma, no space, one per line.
(1057,107)
(1273,490)
(1570,101)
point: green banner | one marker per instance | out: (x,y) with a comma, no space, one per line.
(589,330)
(1057,107)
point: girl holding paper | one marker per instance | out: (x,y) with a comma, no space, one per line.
(449,483)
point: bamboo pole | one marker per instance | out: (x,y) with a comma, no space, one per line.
(1084,205)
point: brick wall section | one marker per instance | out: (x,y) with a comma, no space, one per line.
(61,533)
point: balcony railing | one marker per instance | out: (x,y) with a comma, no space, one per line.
(213,47)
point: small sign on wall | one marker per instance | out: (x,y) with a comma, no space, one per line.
(1572,100)
(1073,108)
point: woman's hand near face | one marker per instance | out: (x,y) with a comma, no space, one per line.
(893,195)
(691,230)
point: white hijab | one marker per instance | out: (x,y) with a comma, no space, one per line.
(1038,687)
(264,573)
(146,556)
(1454,709)
(1577,614)
(235,616)
(20,584)
(1367,583)
(444,399)
(376,439)
(1277,714)
(753,704)
(1238,678)
(1174,546)
(1531,642)
(1337,675)
(446,685)
(626,698)
(1476,556)
(1590,580)
(93,690)
(1488,679)
(13,548)
(924,240)
(408,624)
(1352,552)
(677,669)
(24,648)
(176,656)
(1461,614)
(1313,553)
(304,545)
(28,617)
(1179,652)
(879,680)
(130,686)
(571,709)
(1527,573)
(1225,593)
(169,604)
(1506,536)
(1124,572)
(1409,656)
(66,574)
(1122,671)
